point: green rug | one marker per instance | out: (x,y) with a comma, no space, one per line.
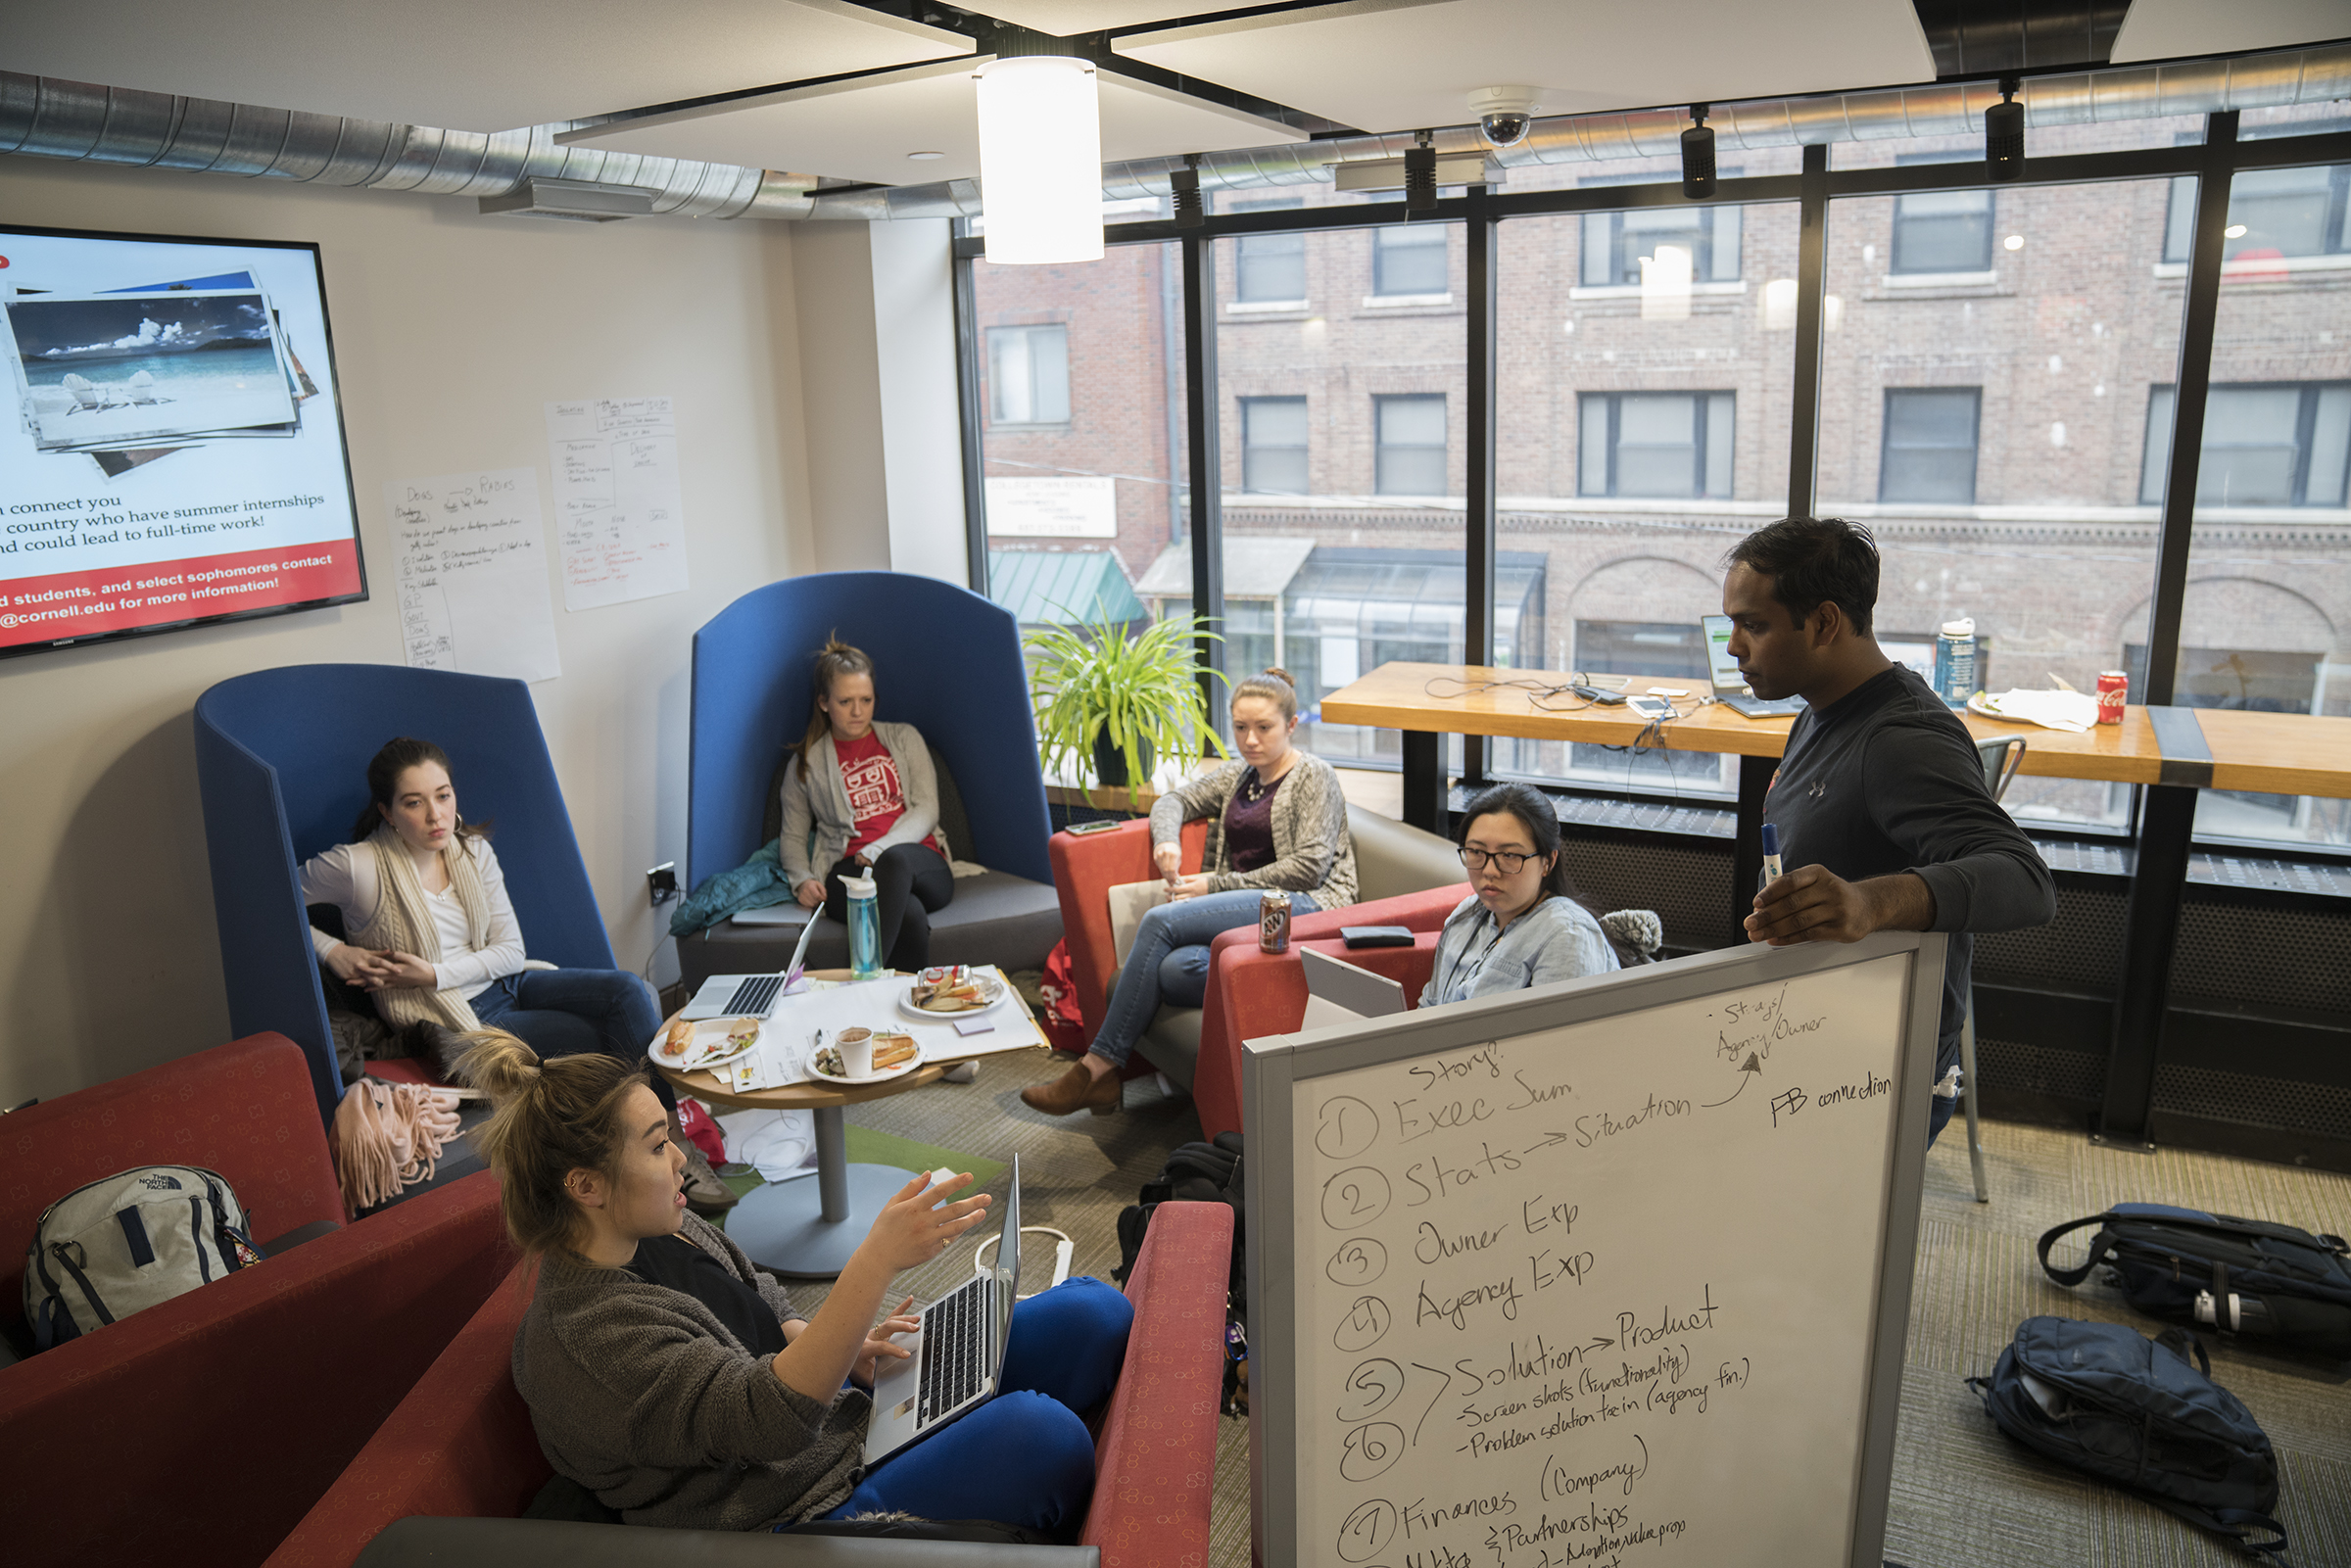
(870,1147)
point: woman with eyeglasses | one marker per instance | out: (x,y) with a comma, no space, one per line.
(1522,924)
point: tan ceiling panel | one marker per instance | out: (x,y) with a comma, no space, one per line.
(1404,65)
(869,129)
(2175,29)
(467,65)
(1065,18)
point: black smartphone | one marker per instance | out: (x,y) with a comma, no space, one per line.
(1082,827)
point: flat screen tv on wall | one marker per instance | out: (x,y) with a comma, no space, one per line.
(175,452)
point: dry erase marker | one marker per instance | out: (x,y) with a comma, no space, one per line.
(1771,854)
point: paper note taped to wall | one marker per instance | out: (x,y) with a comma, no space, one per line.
(471,557)
(618,520)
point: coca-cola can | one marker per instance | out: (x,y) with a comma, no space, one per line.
(1274,921)
(2114,688)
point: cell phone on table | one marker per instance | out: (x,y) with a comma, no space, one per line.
(1650,708)
(1083,828)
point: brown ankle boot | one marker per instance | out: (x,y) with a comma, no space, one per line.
(1074,1090)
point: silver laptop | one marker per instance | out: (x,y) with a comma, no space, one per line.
(1340,992)
(728,996)
(1730,687)
(959,1353)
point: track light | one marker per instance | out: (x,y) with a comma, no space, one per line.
(2004,134)
(1183,185)
(1697,154)
(1420,176)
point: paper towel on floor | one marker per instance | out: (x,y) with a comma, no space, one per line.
(781,1144)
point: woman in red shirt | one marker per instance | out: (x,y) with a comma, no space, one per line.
(864,802)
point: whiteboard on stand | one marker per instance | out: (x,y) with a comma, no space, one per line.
(1611,1271)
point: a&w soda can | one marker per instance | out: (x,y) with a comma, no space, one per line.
(1274,921)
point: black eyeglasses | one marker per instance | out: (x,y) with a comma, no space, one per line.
(1511,861)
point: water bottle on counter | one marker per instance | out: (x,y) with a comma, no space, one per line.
(1955,662)
(865,927)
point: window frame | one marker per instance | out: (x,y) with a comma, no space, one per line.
(1381,447)
(1248,404)
(1029,333)
(1886,447)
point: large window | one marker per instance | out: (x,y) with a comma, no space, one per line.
(1268,269)
(1411,456)
(1619,248)
(2272,213)
(1943,231)
(1028,376)
(1656,444)
(2281,444)
(1930,451)
(1411,259)
(1274,446)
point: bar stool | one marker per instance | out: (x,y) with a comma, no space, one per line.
(2000,758)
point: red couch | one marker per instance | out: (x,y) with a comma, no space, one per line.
(462,1443)
(199,1431)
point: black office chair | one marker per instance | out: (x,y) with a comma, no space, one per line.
(2001,758)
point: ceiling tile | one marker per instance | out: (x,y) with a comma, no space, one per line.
(466,64)
(865,129)
(1065,18)
(2175,29)
(1405,64)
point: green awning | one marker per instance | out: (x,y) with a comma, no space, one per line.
(1061,587)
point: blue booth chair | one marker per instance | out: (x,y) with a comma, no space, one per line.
(281,757)
(948,662)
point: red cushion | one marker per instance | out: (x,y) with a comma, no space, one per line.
(224,1414)
(245,1109)
(1085,868)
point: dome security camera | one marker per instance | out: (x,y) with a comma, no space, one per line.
(1503,113)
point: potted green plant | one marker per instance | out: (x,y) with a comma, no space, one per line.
(1113,702)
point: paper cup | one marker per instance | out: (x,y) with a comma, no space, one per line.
(856,1046)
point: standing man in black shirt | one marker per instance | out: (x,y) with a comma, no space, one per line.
(1880,799)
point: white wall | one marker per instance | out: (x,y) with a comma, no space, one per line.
(451,331)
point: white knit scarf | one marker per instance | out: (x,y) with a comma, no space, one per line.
(404,924)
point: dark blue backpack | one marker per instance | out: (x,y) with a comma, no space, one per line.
(2248,1278)
(2107,1401)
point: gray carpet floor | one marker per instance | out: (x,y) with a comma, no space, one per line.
(1963,1495)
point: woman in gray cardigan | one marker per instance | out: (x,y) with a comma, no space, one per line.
(683,1387)
(1276,821)
(1521,924)
(863,801)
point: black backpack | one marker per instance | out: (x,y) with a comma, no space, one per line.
(2107,1401)
(1200,1172)
(2244,1277)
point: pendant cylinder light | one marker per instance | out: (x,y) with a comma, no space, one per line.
(1040,159)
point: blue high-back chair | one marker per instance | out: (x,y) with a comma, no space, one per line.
(947,661)
(281,757)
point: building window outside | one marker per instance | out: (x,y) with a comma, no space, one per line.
(1411,259)
(1274,446)
(1929,452)
(1028,376)
(1659,444)
(1268,269)
(1411,457)
(2278,444)
(1943,231)
(2283,211)
(1616,244)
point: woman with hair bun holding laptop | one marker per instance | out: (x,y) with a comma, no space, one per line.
(1276,821)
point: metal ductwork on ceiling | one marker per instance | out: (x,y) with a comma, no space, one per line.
(525,171)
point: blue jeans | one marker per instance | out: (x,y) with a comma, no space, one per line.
(564,1011)
(1168,963)
(1023,1458)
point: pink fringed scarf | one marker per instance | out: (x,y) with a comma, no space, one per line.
(388,1136)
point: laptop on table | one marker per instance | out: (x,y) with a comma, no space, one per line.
(959,1353)
(723,996)
(1730,687)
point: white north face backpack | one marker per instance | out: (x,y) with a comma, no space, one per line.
(108,1249)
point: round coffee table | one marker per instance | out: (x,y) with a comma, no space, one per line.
(807,1230)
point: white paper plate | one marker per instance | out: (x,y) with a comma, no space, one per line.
(907,1007)
(706,1031)
(820,1075)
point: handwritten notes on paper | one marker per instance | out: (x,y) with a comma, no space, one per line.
(471,557)
(619,523)
(1596,1294)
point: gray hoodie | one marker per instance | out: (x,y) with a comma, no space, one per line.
(640,1395)
(1558,940)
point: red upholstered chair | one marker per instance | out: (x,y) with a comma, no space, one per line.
(461,1445)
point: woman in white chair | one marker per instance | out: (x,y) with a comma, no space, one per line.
(1276,821)
(1522,924)
(863,801)
(430,934)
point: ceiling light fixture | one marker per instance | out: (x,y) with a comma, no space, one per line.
(1697,154)
(1420,176)
(1040,159)
(2004,134)
(924,158)
(1183,186)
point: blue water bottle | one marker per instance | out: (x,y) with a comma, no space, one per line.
(1955,662)
(865,928)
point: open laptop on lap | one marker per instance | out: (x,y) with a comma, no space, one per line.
(959,1354)
(1730,687)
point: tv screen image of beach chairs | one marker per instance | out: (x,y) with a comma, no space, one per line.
(134,369)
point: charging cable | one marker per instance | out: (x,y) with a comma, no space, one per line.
(1061,1254)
